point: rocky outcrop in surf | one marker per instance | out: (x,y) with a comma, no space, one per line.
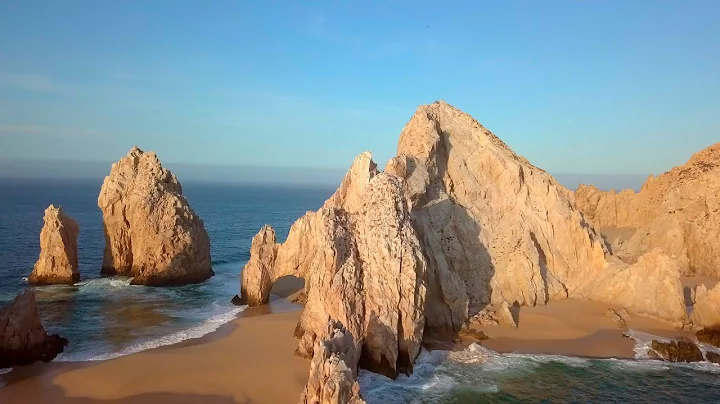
(151,232)
(678,212)
(58,260)
(333,375)
(681,350)
(23,339)
(457,222)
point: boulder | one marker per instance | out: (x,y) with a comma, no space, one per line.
(333,370)
(151,233)
(363,266)
(706,310)
(23,339)
(710,336)
(490,316)
(681,350)
(678,212)
(58,260)
(712,357)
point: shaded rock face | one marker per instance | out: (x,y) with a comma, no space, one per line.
(23,339)
(58,260)
(676,351)
(333,374)
(363,266)
(678,212)
(151,232)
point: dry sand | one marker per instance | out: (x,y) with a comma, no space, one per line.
(250,360)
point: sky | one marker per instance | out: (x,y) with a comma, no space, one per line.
(617,88)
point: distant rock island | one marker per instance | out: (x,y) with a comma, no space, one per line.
(456,223)
(151,232)
(58,260)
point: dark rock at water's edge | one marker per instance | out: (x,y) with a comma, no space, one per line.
(238,301)
(713,357)
(676,351)
(23,339)
(709,336)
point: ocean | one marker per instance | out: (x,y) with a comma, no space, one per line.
(107,317)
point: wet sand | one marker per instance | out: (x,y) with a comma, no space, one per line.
(250,360)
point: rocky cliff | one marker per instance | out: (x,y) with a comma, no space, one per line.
(678,212)
(456,222)
(58,260)
(151,232)
(23,339)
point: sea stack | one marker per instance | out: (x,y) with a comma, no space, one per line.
(678,212)
(456,222)
(23,339)
(151,233)
(58,261)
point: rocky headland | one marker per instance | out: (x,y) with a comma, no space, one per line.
(23,339)
(58,260)
(455,224)
(151,232)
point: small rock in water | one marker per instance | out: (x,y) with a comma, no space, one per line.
(709,336)
(238,301)
(681,350)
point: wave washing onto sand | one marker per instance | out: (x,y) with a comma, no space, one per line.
(208,326)
(478,370)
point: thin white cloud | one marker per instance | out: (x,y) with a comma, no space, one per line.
(31,82)
(33,130)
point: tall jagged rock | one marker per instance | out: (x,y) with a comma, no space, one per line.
(362,264)
(23,339)
(58,260)
(151,232)
(333,373)
(678,212)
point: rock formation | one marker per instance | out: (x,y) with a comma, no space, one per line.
(23,339)
(151,232)
(710,336)
(58,261)
(490,316)
(332,373)
(456,222)
(678,212)
(363,266)
(706,310)
(681,350)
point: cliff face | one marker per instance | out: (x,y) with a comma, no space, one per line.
(23,339)
(456,222)
(58,260)
(151,232)
(678,212)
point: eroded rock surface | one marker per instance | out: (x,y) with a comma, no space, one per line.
(676,351)
(333,369)
(23,339)
(492,316)
(58,260)
(678,212)
(706,310)
(151,232)
(710,336)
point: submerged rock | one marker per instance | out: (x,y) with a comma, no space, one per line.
(151,232)
(333,373)
(678,212)
(23,339)
(58,260)
(676,351)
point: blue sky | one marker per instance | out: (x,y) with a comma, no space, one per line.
(603,87)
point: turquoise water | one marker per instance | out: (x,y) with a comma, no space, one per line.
(107,317)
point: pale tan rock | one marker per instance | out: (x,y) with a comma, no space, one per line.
(493,316)
(23,339)
(333,370)
(362,264)
(58,260)
(678,212)
(706,311)
(151,232)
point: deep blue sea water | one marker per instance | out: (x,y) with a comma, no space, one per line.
(107,317)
